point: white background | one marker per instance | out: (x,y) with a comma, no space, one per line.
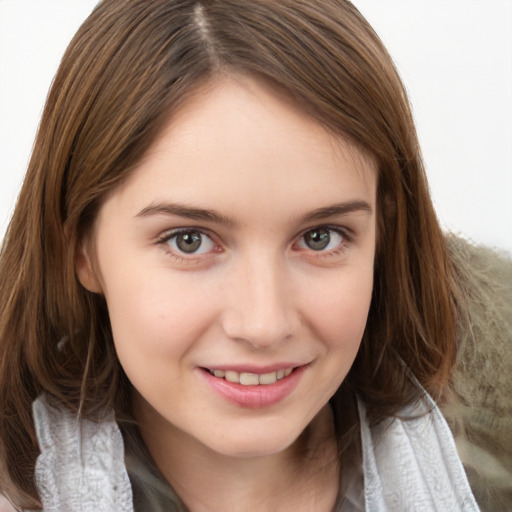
(455,57)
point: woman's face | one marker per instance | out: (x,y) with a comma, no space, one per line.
(237,264)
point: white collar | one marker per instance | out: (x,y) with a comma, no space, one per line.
(408,464)
(411,463)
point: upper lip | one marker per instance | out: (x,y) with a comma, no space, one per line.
(251,368)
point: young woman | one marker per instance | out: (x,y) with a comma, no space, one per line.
(224,285)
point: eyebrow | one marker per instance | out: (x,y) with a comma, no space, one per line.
(188,212)
(338,210)
(202,214)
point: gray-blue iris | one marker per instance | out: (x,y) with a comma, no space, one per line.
(317,239)
(189,241)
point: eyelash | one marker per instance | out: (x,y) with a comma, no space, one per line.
(182,257)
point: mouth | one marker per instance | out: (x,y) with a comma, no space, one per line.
(251,379)
(254,388)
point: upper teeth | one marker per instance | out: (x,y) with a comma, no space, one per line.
(251,379)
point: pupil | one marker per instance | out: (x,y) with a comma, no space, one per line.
(317,239)
(190,241)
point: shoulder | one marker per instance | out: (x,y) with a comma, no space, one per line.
(411,459)
(479,403)
(81,464)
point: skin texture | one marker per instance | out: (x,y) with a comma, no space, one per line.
(254,295)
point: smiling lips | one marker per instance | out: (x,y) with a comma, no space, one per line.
(251,379)
(254,390)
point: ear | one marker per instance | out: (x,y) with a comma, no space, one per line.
(85,267)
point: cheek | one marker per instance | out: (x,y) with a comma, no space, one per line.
(336,315)
(156,316)
(156,324)
(338,310)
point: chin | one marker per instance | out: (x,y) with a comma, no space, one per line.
(253,448)
(254,442)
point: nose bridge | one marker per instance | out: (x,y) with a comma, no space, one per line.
(260,307)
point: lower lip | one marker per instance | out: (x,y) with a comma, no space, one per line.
(255,397)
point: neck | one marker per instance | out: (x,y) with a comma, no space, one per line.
(304,476)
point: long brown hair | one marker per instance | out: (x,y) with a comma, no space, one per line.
(127,69)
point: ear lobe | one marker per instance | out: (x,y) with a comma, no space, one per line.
(85,268)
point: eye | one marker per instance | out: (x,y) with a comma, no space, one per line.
(321,239)
(189,241)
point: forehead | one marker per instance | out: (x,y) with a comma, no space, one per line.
(240,142)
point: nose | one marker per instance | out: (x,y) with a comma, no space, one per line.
(259,308)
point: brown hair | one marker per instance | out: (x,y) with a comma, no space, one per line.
(128,68)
